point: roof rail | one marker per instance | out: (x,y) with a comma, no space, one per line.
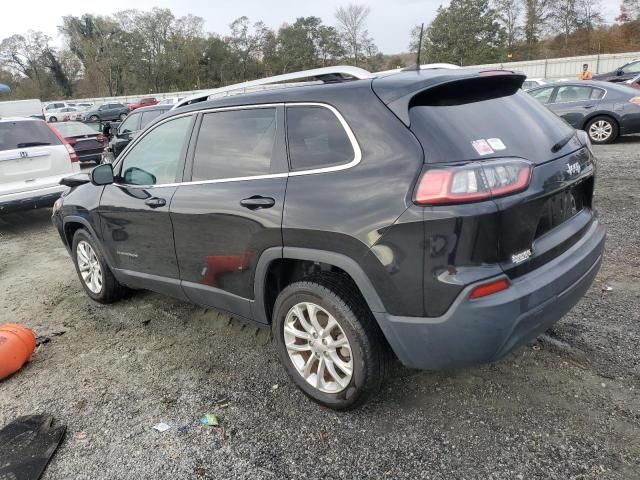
(325,74)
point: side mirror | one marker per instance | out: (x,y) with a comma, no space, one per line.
(619,72)
(102,174)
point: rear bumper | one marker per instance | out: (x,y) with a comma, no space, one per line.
(483,330)
(36,199)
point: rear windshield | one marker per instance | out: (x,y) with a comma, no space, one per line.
(25,134)
(457,123)
(73,129)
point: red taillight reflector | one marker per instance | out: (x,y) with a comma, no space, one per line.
(489,288)
(472,182)
(635,100)
(72,153)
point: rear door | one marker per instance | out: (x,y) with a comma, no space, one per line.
(31,156)
(574,103)
(134,212)
(230,209)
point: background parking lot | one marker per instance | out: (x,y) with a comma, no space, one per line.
(564,407)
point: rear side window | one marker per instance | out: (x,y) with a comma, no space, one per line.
(148,116)
(235,144)
(25,134)
(571,93)
(316,138)
(458,122)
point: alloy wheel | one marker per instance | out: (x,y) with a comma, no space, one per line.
(318,347)
(600,131)
(89,267)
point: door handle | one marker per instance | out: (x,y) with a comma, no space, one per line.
(589,106)
(256,202)
(155,202)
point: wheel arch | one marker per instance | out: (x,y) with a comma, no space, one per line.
(71,224)
(606,113)
(272,257)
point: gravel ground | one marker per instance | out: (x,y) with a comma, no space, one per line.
(564,407)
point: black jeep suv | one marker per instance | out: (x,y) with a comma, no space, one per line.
(442,217)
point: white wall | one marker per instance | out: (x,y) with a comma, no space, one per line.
(568,67)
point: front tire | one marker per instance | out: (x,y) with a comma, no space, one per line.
(602,130)
(329,342)
(53,119)
(94,273)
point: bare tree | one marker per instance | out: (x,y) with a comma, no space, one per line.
(352,24)
(536,17)
(564,16)
(508,13)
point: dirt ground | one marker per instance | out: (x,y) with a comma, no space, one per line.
(567,406)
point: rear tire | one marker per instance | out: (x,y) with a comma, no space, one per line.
(602,130)
(94,118)
(94,273)
(52,119)
(352,370)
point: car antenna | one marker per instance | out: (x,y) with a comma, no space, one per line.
(419,47)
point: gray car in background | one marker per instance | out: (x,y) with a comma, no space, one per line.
(106,111)
(604,110)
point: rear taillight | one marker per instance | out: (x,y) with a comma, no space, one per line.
(635,100)
(72,153)
(472,182)
(489,288)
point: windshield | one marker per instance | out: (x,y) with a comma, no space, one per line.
(456,127)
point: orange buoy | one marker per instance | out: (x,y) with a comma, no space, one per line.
(17,343)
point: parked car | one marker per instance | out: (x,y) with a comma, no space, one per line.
(106,111)
(604,110)
(88,144)
(132,125)
(55,106)
(634,82)
(63,115)
(33,160)
(170,101)
(398,235)
(144,102)
(530,83)
(620,74)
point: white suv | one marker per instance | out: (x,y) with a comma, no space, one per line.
(33,160)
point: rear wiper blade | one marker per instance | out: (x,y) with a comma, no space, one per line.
(32,144)
(558,146)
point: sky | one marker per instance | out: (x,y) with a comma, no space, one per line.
(389,23)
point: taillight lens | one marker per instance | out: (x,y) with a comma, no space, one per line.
(635,100)
(72,153)
(489,288)
(472,182)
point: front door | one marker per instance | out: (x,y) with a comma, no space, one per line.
(231,211)
(134,211)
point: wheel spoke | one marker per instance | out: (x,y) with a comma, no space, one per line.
(332,371)
(341,342)
(320,373)
(290,329)
(306,369)
(301,318)
(331,324)
(312,310)
(341,364)
(298,347)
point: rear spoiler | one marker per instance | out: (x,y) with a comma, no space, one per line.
(398,91)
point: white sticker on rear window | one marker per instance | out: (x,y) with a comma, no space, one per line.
(482,147)
(496,144)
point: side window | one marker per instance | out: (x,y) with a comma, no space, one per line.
(632,68)
(130,123)
(154,160)
(597,93)
(148,116)
(572,93)
(234,144)
(543,95)
(316,138)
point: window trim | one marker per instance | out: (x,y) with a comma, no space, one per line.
(558,87)
(335,168)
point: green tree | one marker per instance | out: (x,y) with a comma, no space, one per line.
(466,32)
